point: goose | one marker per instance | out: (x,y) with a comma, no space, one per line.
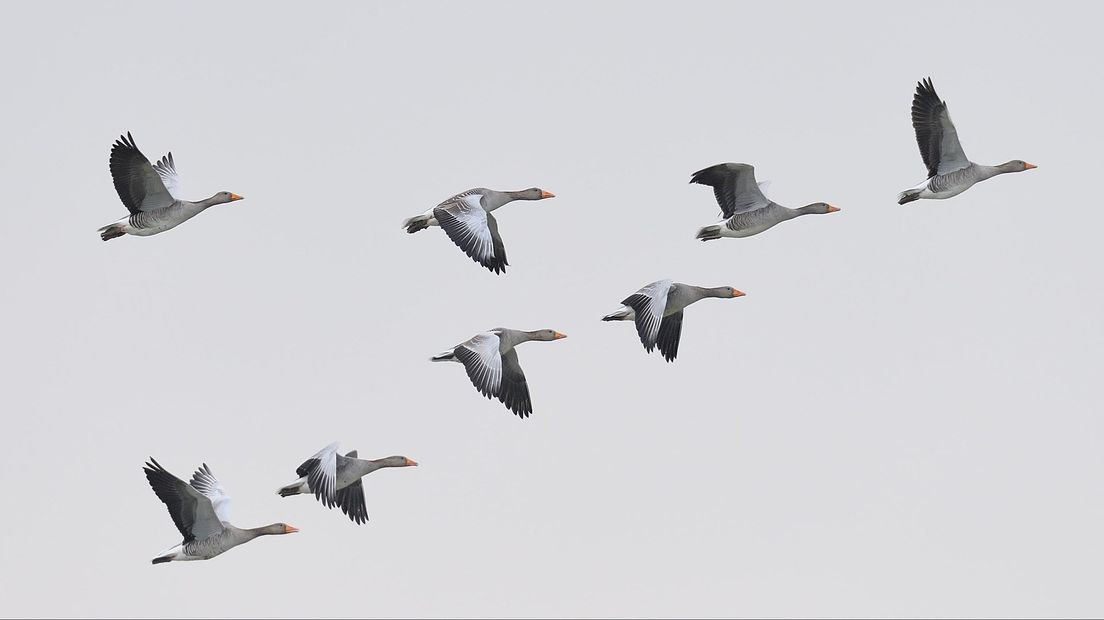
(657,311)
(201,511)
(151,193)
(467,220)
(745,209)
(492,364)
(336,480)
(949,172)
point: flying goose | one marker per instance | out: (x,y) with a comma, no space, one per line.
(467,220)
(336,480)
(151,193)
(493,367)
(657,311)
(949,172)
(201,511)
(745,209)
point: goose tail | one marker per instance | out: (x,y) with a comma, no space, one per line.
(709,233)
(416,223)
(109,232)
(295,488)
(444,356)
(620,314)
(908,196)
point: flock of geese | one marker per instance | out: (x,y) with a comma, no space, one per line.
(200,508)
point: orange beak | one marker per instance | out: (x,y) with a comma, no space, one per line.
(737,293)
(290,529)
(832,208)
(545,194)
(234,197)
(410,463)
(558,336)
(1028,166)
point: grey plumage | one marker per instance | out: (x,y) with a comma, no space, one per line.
(151,193)
(466,219)
(657,311)
(746,210)
(336,480)
(492,364)
(950,172)
(200,512)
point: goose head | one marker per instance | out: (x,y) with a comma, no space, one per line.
(222,197)
(819,208)
(533,193)
(278,528)
(732,292)
(1016,165)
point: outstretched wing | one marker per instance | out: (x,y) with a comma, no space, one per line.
(648,304)
(935,133)
(321,473)
(734,186)
(670,331)
(166,169)
(351,501)
(205,482)
(139,186)
(474,230)
(514,392)
(190,510)
(483,362)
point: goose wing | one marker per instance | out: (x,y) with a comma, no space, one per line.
(321,473)
(670,332)
(191,511)
(205,482)
(139,186)
(483,362)
(648,304)
(935,133)
(734,186)
(166,169)
(351,498)
(475,231)
(514,392)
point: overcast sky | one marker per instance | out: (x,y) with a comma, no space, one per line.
(902,417)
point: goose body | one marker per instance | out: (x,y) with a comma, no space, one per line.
(744,207)
(950,172)
(151,193)
(492,364)
(335,480)
(200,509)
(466,219)
(656,309)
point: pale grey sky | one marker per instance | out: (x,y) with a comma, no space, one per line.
(902,417)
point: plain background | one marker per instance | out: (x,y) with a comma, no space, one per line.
(902,417)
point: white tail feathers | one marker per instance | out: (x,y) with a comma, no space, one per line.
(444,356)
(908,196)
(709,233)
(295,488)
(621,314)
(111,231)
(416,223)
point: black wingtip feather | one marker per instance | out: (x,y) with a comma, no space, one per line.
(670,332)
(926,110)
(164,485)
(351,501)
(639,304)
(455,230)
